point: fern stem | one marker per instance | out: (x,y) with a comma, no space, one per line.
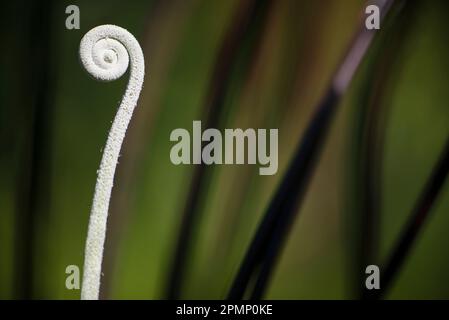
(105,52)
(415,223)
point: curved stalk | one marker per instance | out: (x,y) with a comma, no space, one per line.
(105,53)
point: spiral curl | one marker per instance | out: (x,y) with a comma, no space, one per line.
(105,52)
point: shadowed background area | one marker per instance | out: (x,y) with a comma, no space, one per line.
(182,231)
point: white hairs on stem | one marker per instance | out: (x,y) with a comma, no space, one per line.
(105,53)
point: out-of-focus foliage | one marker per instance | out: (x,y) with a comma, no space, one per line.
(53,148)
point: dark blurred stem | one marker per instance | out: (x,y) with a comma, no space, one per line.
(368,168)
(282,209)
(245,27)
(415,223)
(33,180)
(273,230)
(371,139)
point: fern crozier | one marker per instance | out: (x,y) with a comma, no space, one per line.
(105,52)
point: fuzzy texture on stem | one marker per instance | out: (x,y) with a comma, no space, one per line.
(105,53)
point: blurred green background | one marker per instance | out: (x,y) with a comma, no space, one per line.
(54,121)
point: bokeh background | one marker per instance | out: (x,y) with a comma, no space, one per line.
(266,67)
